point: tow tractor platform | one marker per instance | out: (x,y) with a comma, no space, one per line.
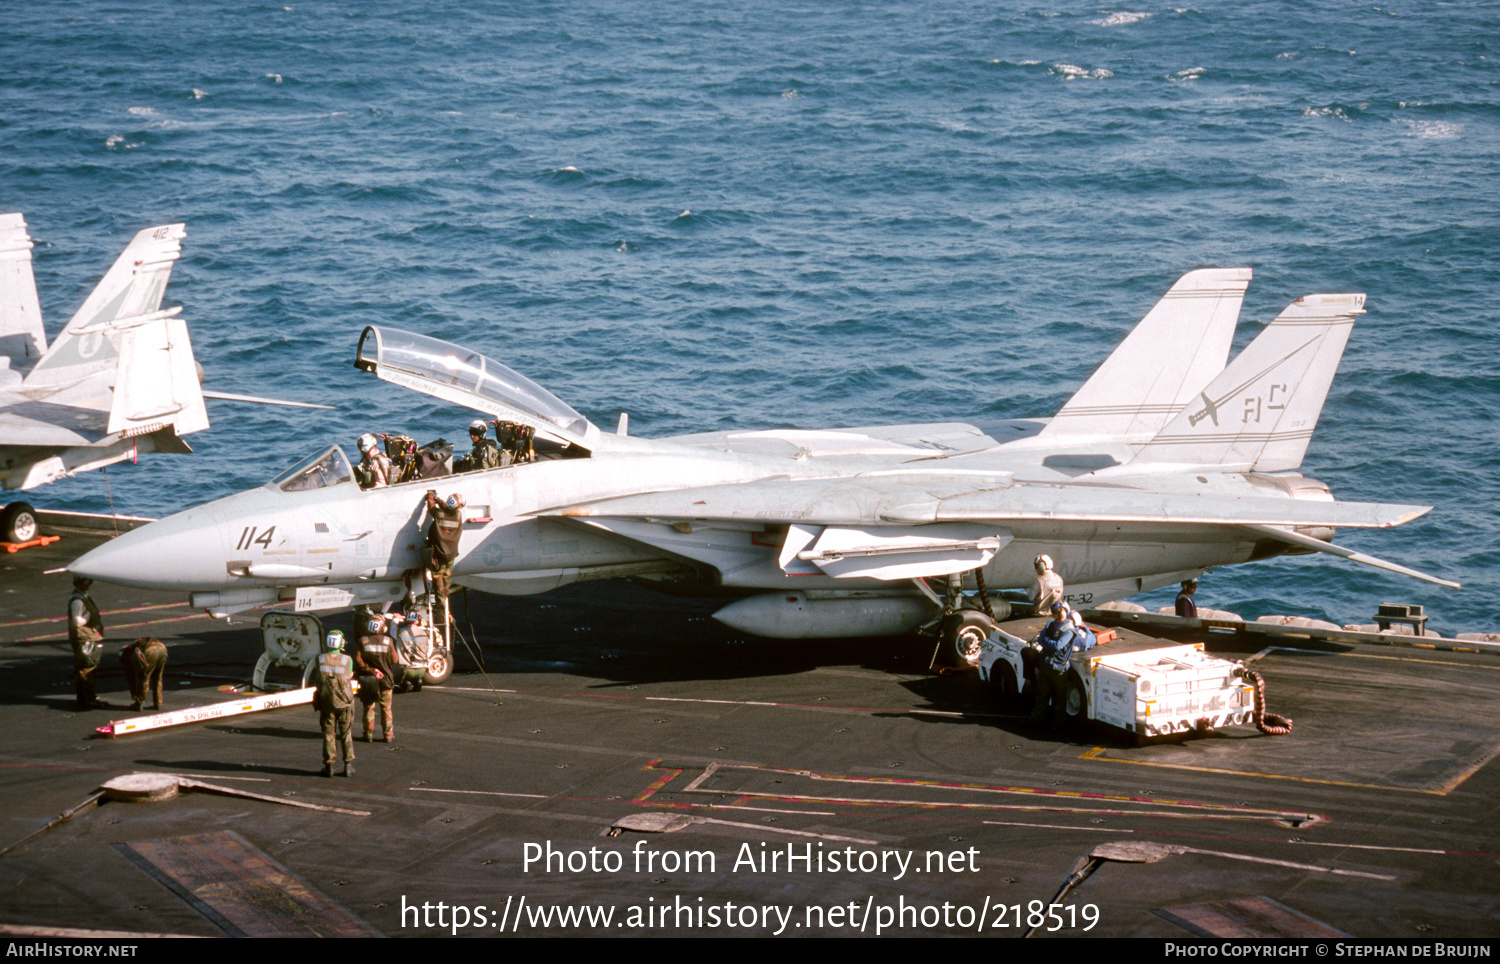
(1148,687)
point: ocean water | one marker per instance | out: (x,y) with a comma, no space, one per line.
(752,215)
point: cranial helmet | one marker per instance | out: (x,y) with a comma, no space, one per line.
(374,624)
(415,616)
(455,500)
(1042,563)
(335,642)
(1060,609)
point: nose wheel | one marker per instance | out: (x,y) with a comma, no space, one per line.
(439,666)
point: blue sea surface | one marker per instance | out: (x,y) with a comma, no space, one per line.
(753,215)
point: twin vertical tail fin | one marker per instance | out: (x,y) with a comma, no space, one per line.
(1259,413)
(128,296)
(22,337)
(1181,344)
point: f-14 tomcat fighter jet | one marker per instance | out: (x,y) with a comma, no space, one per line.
(1166,462)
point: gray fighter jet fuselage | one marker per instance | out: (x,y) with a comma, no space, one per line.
(827,532)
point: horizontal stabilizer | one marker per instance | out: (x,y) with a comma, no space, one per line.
(1318,545)
(156,385)
(257,400)
(21,333)
(1259,414)
(1179,346)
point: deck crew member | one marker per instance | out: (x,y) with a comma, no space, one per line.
(413,651)
(86,633)
(1086,637)
(1048,588)
(1187,607)
(374,657)
(441,549)
(1057,642)
(334,701)
(145,662)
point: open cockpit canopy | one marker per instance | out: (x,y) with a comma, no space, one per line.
(456,374)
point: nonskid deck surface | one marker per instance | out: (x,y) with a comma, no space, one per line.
(826,787)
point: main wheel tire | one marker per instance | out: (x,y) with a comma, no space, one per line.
(965,635)
(18,523)
(1076,702)
(439,667)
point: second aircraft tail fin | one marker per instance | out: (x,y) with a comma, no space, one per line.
(129,294)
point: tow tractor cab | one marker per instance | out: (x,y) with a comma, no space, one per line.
(1145,687)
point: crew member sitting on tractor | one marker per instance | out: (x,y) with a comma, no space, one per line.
(1086,637)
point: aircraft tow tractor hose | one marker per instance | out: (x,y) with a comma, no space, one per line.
(1268,723)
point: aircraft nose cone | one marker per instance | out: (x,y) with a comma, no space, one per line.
(183,551)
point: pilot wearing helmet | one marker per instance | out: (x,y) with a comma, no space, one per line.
(1048,588)
(486,454)
(374,468)
(334,701)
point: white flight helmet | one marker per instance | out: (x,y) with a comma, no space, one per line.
(1043,563)
(367,442)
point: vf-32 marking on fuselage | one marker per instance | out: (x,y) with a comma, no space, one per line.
(821,532)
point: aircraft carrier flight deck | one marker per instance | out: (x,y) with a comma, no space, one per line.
(755,787)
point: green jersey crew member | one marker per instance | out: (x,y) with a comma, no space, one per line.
(334,701)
